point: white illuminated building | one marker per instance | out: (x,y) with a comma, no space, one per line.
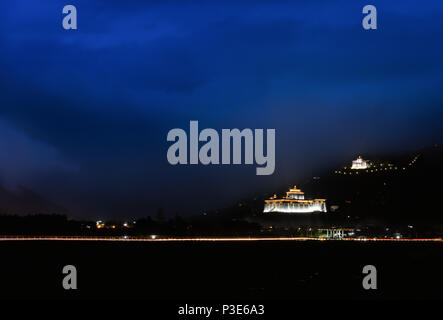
(359,164)
(294,202)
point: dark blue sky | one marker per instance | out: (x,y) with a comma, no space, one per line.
(84,114)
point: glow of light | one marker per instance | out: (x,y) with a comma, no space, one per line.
(209,239)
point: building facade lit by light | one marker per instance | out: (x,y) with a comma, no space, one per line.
(359,163)
(294,202)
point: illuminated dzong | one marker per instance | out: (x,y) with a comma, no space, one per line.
(294,202)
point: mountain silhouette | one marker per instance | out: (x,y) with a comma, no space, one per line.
(24,201)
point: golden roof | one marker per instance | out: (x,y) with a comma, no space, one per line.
(294,191)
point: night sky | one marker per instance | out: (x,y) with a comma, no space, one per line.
(84,113)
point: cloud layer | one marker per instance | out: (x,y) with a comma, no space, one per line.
(86,113)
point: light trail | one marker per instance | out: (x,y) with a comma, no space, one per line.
(200,239)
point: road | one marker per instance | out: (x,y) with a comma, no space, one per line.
(205,239)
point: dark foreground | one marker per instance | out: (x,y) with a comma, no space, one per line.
(222,270)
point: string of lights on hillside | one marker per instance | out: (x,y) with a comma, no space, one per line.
(363,166)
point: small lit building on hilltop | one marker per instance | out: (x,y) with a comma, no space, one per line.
(294,202)
(359,164)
